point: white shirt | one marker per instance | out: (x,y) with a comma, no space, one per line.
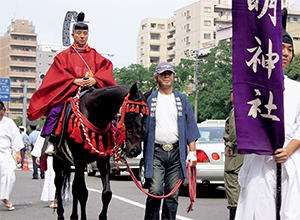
(9,136)
(166,130)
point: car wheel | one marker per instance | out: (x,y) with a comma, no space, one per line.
(90,171)
(144,182)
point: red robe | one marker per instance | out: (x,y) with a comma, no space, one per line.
(58,86)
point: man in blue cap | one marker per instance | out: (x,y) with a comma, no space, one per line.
(165,149)
(32,140)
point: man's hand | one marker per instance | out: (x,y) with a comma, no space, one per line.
(281,155)
(192,157)
(85,82)
(18,157)
(37,160)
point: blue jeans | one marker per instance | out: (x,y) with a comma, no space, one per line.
(166,174)
(22,151)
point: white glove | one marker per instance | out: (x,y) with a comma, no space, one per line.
(192,158)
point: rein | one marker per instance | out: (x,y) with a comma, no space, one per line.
(192,185)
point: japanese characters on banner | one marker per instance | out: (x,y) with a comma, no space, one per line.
(257,75)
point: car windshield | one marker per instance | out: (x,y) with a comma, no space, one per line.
(211,135)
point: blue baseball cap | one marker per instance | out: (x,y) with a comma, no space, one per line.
(162,67)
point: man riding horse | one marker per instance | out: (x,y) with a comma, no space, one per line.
(79,65)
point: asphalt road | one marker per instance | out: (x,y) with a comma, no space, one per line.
(128,201)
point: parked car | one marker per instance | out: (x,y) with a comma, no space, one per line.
(91,168)
(210,155)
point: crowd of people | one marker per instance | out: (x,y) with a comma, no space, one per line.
(165,145)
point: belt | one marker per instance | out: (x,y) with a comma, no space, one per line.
(167,146)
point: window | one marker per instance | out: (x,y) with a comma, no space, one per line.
(144,26)
(187,39)
(188,27)
(188,15)
(207,23)
(142,51)
(207,9)
(206,36)
(154,59)
(141,62)
(161,26)
(153,25)
(154,47)
(142,40)
(155,36)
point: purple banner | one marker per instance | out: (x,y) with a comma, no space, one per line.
(257,75)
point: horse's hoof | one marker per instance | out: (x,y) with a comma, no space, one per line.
(60,217)
(74,217)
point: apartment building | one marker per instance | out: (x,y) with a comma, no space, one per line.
(198,25)
(18,62)
(190,28)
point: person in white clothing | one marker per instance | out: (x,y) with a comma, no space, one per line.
(10,139)
(257,176)
(48,193)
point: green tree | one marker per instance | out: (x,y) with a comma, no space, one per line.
(215,81)
(135,73)
(293,70)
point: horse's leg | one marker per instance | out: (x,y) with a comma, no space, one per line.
(79,191)
(104,168)
(58,181)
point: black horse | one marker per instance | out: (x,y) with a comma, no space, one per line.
(100,107)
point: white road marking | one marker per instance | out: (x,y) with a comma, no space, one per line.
(134,203)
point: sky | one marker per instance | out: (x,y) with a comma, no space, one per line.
(113,24)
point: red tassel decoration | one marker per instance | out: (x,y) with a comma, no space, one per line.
(87,146)
(108,143)
(101,148)
(93,139)
(76,133)
(70,127)
(137,109)
(44,163)
(132,108)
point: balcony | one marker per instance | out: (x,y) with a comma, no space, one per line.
(22,63)
(23,53)
(23,42)
(23,74)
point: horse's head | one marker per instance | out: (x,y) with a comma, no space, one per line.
(135,116)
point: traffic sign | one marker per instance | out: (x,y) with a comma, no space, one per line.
(5,89)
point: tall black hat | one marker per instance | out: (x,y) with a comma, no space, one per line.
(80,24)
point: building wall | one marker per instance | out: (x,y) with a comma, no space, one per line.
(18,62)
(45,58)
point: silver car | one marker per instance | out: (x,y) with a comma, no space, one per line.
(133,163)
(210,153)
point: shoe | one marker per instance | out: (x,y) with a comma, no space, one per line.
(53,206)
(34,178)
(9,207)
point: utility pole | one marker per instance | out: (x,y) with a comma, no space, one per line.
(24,103)
(24,97)
(196,65)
